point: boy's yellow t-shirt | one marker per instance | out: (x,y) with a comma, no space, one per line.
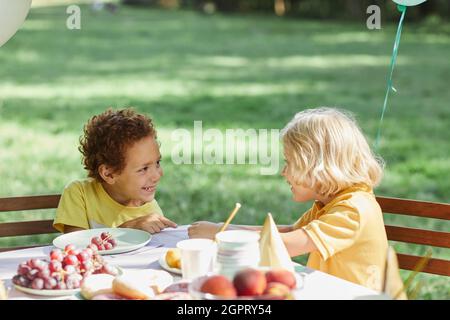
(86,204)
(350,236)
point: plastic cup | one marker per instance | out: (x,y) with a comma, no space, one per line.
(197,257)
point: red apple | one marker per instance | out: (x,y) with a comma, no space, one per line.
(250,282)
(281,276)
(218,285)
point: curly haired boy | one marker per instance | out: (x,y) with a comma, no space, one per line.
(121,155)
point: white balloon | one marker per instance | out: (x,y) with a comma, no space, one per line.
(12,15)
(409,2)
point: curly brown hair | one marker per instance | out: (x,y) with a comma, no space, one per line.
(108,135)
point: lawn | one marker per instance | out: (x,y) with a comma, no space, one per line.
(229,72)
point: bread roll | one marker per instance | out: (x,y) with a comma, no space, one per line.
(173,258)
(141,284)
(132,288)
(96,284)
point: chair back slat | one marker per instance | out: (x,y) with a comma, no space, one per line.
(415,208)
(418,236)
(29,203)
(10,229)
(434,266)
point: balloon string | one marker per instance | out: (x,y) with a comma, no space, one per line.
(402,9)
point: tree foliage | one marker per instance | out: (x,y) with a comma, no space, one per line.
(318,9)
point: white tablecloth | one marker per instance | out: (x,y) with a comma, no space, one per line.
(318,285)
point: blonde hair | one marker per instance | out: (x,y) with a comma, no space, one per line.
(329,151)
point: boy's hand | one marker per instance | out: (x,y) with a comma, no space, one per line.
(152,223)
(204,229)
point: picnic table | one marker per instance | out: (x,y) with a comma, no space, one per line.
(318,285)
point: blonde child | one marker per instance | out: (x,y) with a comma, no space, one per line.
(329,161)
(121,154)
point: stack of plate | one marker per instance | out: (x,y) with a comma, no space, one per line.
(236,250)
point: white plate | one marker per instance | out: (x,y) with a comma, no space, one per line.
(127,239)
(165,266)
(44,292)
(55,293)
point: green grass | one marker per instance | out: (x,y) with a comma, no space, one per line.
(229,72)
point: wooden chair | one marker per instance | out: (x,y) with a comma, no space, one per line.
(418,236)
(388,205)
(9,229)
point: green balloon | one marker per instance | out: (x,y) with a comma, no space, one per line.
(409,2)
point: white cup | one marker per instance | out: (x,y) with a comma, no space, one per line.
(237,250)
(197,257)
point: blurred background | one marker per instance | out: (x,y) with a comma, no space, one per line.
(231,64)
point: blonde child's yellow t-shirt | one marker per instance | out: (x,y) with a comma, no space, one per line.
(350,236)
(86,204)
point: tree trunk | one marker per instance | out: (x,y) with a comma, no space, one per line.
(280,7)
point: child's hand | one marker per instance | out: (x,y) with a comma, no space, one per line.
(152,223)
(203,229)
